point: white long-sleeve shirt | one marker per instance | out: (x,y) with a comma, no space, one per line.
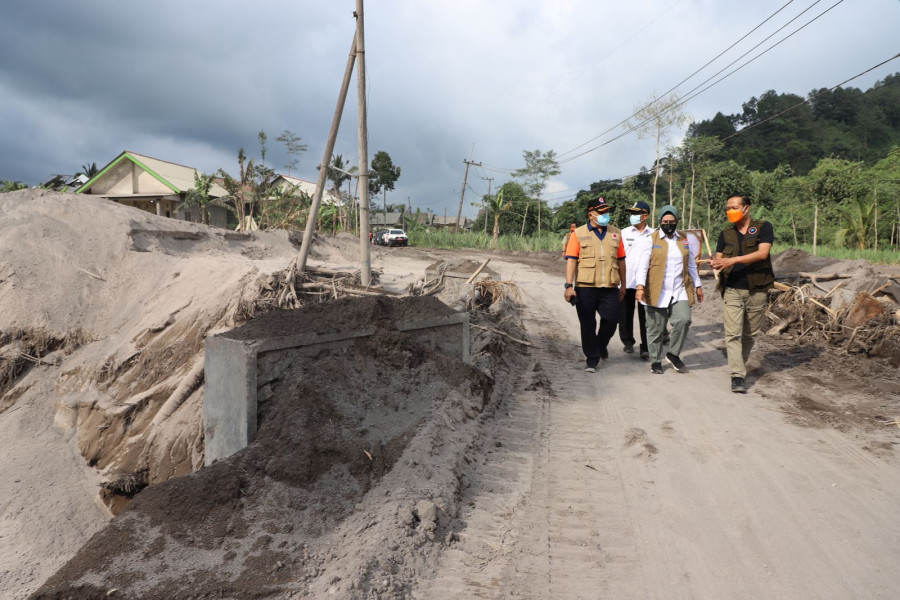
(673,289)
(633,240)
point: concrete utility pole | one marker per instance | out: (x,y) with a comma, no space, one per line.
(462,194)
(365,258)
(490,180)
(326,160)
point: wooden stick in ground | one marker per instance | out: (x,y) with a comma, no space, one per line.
(821,277)
(819,304)
(95,276)
(477,271)
(709,251)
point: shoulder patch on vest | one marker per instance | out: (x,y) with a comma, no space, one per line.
(752,230)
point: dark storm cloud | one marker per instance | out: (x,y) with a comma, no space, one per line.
(192,82)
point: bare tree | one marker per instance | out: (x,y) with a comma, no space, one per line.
(655,118)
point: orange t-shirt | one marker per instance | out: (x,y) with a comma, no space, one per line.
(573,249)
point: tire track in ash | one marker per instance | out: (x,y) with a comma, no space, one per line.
(500,480)
(546,513)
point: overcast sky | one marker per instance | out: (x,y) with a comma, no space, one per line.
(192,82)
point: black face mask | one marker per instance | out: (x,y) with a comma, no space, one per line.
(668,228)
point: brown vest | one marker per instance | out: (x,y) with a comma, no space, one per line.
(656,275)
(598,262)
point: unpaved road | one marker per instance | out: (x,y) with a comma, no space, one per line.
(623,484)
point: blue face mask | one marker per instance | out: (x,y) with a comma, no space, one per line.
(635,219)
(603,220)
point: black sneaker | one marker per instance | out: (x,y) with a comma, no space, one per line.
(676,362)
(604,353)
(737,385)
(656,368)
(645,355)
(590,367)
(628,349)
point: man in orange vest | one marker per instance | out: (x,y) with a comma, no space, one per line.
(595,279)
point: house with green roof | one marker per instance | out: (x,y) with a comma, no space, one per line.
(153,185)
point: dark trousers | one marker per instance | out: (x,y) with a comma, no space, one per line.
(626,322)
(590,303)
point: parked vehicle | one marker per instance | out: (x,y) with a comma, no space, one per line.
(378,237)
(395,237)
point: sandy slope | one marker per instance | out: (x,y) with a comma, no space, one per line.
(625,484)
(139,292)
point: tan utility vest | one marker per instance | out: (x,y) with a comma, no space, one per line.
(598,262)
(656,275)
(760,275)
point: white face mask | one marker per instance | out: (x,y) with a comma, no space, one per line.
(635,219)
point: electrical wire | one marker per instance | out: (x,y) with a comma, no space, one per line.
(674,87)
(806,101)
(691,97)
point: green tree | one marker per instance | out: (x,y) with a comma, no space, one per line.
(383,174)
(497,207)
(252,189)
(856,221)
(337,174)
(199,196)
(696,152)
(294,148)
(538,168)
(11,186)
(884,179)
(88,170)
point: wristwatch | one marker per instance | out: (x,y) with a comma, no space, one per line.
(568,285)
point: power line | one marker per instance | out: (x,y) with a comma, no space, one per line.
(685,100)
(832,88)
(674,87)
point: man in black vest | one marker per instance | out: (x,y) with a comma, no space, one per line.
(742,256)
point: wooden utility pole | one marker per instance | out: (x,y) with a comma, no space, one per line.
(490,180)
(326,161)
(365,259)
(815,228)
(462,194)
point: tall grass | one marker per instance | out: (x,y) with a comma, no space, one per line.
(885,257)
(443,238)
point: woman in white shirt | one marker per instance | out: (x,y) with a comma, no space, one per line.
(668,282)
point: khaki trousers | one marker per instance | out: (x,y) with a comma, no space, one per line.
(743,317)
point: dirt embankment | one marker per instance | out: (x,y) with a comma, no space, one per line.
(350,487)
(104,313)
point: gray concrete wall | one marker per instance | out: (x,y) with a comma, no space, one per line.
(229,405)
(237,372)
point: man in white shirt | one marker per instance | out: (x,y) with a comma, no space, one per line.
(633,237)
(670,281)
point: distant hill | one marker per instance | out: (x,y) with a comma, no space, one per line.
(784,129)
